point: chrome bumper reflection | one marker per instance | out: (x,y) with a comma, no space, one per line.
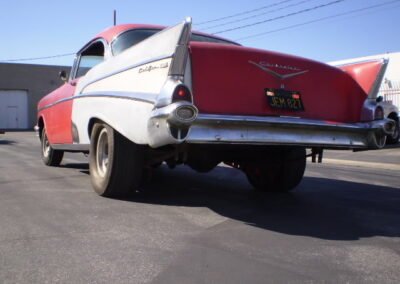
(171,124)
(288,131)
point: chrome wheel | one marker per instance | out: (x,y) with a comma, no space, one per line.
(50,157)
(102,156)
(45,146)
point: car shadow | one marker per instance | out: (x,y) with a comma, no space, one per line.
(392,146)
(320,207)
(7,142)
(78,166)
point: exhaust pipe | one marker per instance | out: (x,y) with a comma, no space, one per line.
(383,128)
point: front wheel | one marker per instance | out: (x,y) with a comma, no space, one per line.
(50,157)
(115,163)
(281,174)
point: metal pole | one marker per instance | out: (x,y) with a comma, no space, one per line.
(115,17)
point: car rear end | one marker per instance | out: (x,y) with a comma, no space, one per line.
(250,96)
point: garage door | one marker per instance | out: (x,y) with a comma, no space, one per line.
(13,109)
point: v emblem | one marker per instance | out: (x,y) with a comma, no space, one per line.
(275,74)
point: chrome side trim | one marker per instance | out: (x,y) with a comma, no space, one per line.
(181,54)
(141,97)
(373,93)
(286,131)
(78,56)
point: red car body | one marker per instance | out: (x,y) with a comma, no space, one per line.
(198,99)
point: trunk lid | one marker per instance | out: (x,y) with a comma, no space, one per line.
(228,79)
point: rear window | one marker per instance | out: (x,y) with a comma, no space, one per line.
(133,37)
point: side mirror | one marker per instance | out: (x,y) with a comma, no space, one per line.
(63,75)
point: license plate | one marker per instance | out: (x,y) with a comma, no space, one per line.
(284,99)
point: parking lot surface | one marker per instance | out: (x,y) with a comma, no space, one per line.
(342,223)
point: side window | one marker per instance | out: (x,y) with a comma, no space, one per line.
(130,38)
(90,57)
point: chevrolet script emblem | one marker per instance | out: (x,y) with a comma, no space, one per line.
(277,75)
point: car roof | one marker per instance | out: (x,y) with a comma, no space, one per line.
(110,33)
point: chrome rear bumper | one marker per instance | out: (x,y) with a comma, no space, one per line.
(209,129)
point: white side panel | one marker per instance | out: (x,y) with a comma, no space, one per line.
(126,116)
(122,90)
(147,78)
(13,109)
(160,45)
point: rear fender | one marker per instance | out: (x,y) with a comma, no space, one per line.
(368,74)
(123,90)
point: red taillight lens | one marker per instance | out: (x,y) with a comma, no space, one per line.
(379,113)
(182,93)
(296,96)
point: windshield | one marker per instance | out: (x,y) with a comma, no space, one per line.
(132,37)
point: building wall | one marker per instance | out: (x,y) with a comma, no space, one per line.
(37,80)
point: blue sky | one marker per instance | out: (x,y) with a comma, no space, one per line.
(40,28)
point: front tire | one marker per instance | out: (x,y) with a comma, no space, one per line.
(281,174)
(50,157)
(115,163)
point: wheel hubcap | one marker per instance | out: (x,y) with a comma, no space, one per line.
(46,146)
(102,152)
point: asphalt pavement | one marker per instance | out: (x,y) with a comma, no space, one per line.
(341,225)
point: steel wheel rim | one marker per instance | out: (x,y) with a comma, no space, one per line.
(396,131)
(46,146)
(102,153)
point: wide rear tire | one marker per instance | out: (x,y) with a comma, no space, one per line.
(394,139)
(50,157)
(115,163)
(278,175)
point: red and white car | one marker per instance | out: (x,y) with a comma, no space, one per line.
(140,95)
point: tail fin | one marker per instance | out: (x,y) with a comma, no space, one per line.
(368,74)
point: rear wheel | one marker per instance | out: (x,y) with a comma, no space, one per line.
(50,157)
(394,139)
(116,164)
(278,175)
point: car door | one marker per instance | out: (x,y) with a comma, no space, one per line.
(59,115)
(60,129)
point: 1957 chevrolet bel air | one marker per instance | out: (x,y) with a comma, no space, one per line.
(140,95)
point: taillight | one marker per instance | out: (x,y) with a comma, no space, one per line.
(379,113)
(182,93)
